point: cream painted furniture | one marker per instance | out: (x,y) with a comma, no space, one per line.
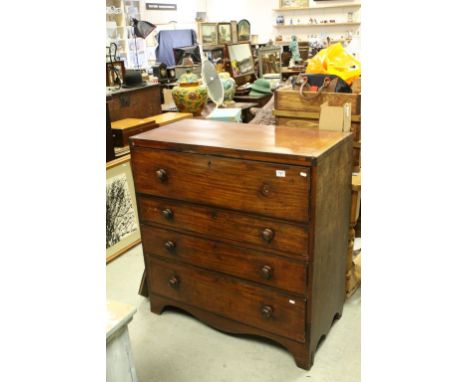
(119,365)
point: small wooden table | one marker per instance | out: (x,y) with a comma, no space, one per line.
(258,101)
(119,364)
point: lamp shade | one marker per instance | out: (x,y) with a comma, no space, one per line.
(142,28)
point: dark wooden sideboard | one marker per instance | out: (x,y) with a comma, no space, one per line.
(137,102)
(246,226)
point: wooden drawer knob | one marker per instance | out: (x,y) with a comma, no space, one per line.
(267,311)
(174,282)
(267,272)
(265,189)
(167,213)
(268,235)
(161,174)
(170,245)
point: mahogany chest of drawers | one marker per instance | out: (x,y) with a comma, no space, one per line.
(246,226)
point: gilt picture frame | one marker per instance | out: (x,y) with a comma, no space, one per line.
(122,225)
(224,33)
(209,33)
(287,4)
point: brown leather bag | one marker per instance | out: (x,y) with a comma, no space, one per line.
(322,82)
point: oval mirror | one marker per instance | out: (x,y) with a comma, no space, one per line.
(213,82)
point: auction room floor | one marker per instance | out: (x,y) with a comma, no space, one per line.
(175,347)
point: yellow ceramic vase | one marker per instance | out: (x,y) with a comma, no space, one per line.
(190,94)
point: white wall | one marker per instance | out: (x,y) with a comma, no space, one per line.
(185,14)
(259,13)
(262,18)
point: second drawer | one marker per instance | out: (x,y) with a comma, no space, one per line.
(275,271)
(266,234)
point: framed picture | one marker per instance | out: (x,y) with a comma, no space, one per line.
(209,32)
(122,227)
(111,75)
(224,33)
(216,56)
(294,3)
(243,30)
(269,60)
(234,30)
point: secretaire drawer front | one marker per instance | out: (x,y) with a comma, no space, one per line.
(229,297)
(265,188)
(220,224)
(253,265)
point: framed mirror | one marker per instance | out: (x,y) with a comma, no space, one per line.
(269,60)
(241,62)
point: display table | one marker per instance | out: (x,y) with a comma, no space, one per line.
(119,364)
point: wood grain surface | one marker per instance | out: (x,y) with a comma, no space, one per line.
(227,226)
(261,267)
(288,99)
(229,297)
(224,182)
(139,102)
(241,248)
(280,144)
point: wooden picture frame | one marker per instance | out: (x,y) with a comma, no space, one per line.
(224,33)
(269,60)
(110,75)
(288,4)
(243,30)
(209,33)
(240,74)
(122,225)
(234,31)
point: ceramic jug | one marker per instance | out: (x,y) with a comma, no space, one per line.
(190,94)
(229,85)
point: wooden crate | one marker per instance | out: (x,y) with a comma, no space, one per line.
(293,110)
(287,99)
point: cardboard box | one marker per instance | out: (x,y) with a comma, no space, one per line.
(335,118)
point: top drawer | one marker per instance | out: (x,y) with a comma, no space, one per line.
(270,189)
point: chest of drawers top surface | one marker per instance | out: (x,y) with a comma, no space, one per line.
(248,141)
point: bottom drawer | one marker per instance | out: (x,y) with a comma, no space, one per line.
(231,298)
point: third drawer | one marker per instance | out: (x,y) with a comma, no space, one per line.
(266,269)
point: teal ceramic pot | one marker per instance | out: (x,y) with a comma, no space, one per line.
(190,94)
(229,85)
